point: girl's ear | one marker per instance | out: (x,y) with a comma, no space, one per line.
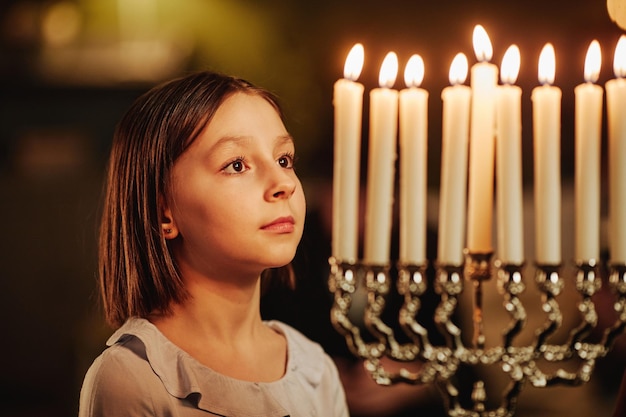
(168,225)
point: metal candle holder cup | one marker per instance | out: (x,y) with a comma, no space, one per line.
(440,364)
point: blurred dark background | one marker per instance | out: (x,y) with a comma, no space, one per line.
(69,69)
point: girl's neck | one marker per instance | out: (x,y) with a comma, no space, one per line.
(223,330)
(217,310)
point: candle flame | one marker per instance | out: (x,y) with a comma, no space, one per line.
(593,61)
(510,65)
(482,44)
(354,62)
(458,69)
(388,70)
(547,64)
(619,61)
(414,71)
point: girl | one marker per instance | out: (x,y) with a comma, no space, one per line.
(201,200)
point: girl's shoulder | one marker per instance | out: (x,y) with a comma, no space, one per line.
(309,364)
(120,380)
(299,345)
(294,336)
(305,356)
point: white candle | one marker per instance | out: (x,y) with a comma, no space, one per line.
(588,126)
(452,197)
(547,171)
(381,161)
(616,103)
(509,162)
(348,103)
(413,162)
(482,146)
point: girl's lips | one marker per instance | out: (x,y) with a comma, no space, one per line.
(281,225)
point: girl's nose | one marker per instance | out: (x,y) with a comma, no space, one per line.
(282,184)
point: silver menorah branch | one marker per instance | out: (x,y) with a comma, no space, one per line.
(440,364)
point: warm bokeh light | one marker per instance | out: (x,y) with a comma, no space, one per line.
(593,62)
(617,12)
(547,64)
(414,71)
(458,69)
(388,70)
(61,24)
(354,62)
(482,44)
(510,65)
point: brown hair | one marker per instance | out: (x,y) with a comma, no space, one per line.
(136,270)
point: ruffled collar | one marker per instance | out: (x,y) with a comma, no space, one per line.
(185,377)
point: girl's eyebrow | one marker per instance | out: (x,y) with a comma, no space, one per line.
(245,140)
(284,139)
(230,141)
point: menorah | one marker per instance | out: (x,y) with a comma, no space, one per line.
(441,363)
(459,271)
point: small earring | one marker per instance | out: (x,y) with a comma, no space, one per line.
(168,231)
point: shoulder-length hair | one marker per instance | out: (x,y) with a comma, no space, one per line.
(137,273)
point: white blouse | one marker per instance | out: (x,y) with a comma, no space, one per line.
(142,373)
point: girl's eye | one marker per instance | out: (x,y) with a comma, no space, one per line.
(236,166)
(286,161)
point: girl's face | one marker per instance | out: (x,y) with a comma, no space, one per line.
(236,204)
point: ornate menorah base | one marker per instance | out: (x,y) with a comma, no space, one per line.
(441,364)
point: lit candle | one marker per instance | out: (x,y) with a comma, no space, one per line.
(509,162)
(588,125)
(413,162)
(348,103)
(455,132)
(616,103)
(381,161)
(482,143)
(547,171)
